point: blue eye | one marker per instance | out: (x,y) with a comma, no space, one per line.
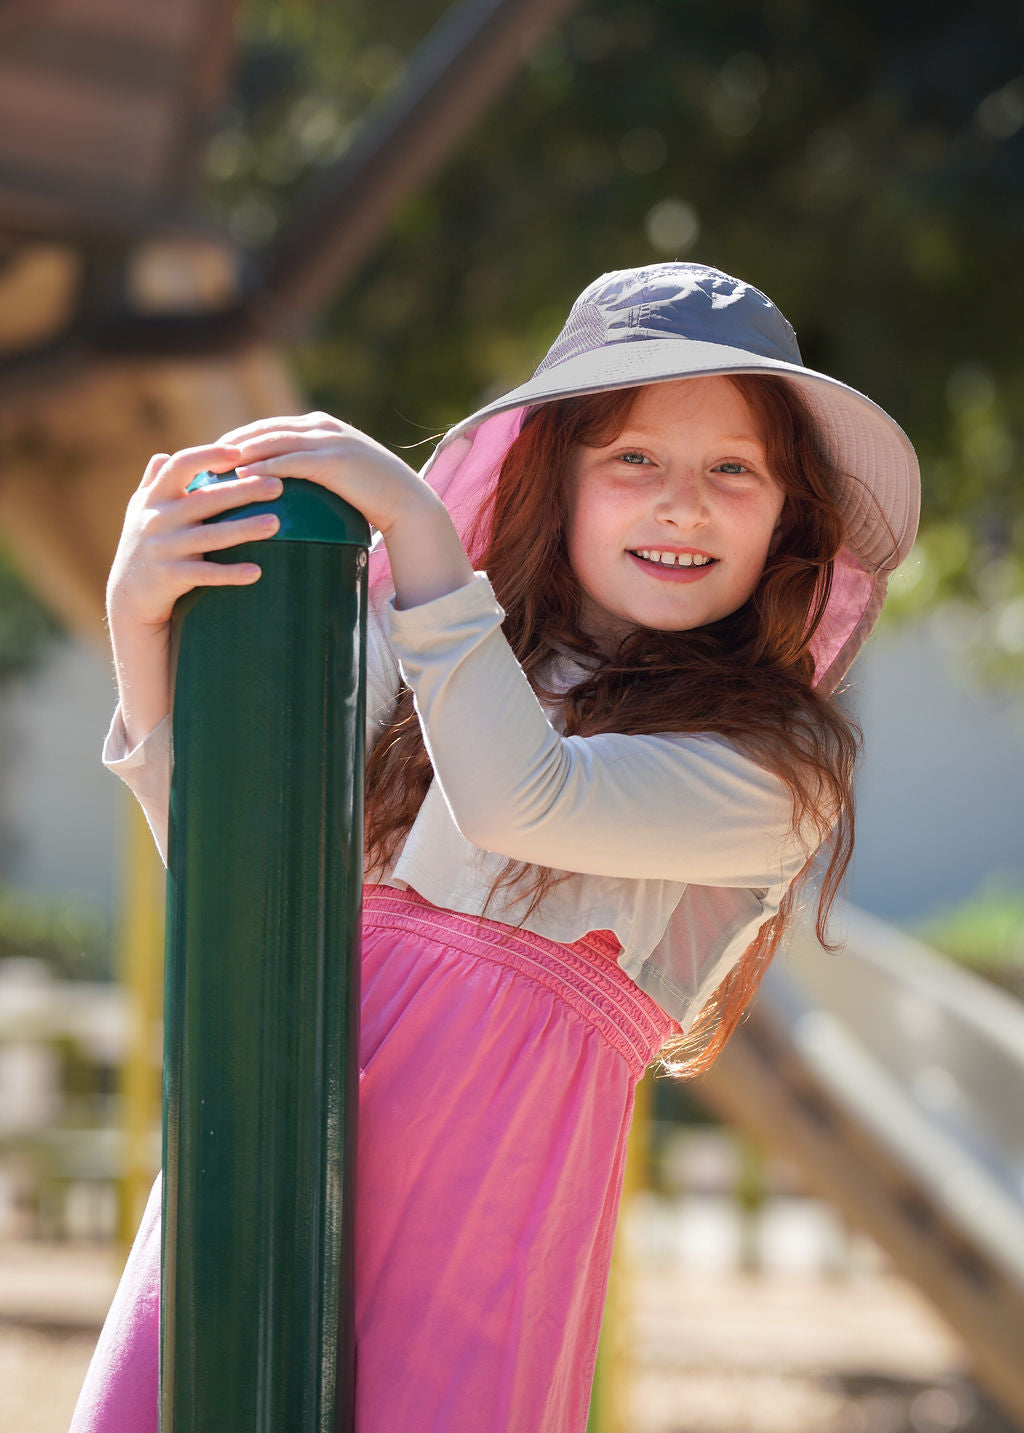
(730,468)
(635,458)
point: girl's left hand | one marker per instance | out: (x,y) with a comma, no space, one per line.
(426,555)
(324,450)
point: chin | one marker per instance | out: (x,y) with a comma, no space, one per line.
(672,622)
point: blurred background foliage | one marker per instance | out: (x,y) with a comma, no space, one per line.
(985,932)
(69,936)
(26,627)
(863,164)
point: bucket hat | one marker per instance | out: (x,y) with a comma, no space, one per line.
(685,320)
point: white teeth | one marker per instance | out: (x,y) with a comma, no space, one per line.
(672,559)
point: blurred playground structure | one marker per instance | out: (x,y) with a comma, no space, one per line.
(893,1082)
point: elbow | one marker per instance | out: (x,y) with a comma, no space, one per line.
(489,827)
(478,825)
(516,816)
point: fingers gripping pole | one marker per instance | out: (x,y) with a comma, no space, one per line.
(262,985)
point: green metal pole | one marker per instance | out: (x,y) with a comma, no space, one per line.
(262,985)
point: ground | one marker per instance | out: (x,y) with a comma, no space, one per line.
(712,1352)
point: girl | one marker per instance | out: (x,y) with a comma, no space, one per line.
(605,631)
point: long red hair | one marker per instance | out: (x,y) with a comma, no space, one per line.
(748,678)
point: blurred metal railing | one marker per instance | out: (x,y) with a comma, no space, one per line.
(895,1081)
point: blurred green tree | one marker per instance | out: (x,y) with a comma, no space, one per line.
(69,936)
(27,629)
(863,163)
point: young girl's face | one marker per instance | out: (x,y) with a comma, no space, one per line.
(670,525)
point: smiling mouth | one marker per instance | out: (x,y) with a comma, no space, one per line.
(672,559)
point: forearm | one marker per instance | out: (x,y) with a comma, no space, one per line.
(142,667)
(425,552)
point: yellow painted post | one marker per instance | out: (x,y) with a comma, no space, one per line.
(610,1400)
(750,1195)
(140,949)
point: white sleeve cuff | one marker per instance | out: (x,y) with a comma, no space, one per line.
(416,628)
(156,747)
(146,770)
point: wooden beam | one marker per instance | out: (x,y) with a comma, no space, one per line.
(38,294)
(74,452)
(104,108)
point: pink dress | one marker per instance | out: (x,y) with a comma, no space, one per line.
(496,1091)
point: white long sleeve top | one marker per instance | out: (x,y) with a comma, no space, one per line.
(680,845)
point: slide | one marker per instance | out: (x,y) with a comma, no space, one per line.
(895,1081)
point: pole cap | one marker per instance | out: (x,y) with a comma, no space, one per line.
(307,512)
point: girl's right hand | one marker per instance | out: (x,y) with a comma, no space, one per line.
(160,556)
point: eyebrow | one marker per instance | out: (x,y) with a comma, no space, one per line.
(637,430)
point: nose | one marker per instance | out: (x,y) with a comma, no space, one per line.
(683,500)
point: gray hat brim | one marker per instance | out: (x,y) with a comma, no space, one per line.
(878,468)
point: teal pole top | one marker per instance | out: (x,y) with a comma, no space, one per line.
(307,512)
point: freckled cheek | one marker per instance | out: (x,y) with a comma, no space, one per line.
(606,502)
(599,521)
(755,526)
